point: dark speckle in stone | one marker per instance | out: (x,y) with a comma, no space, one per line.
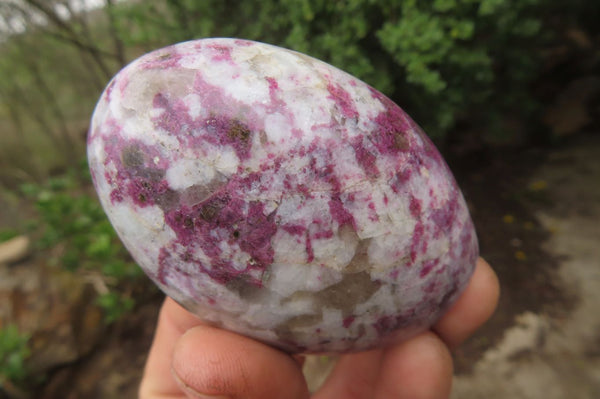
(197,193)
(167,200)
(360,260)
(132,157)
(289,329)
(248,290)
(401,142)
(210,210)
(152,174)
(353,289)
(263,137)
(188,222)
(238,131)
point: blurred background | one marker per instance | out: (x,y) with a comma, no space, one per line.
(509,90)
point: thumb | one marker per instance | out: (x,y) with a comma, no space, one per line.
(212,363)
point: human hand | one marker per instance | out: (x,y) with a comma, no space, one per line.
(189,359)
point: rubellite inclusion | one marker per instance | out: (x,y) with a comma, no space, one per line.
(276,196)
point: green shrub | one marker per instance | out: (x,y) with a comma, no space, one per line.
(115,305)
(444,61)
(72,220)
(13,353)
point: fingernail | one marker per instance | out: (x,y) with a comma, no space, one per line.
(191,392)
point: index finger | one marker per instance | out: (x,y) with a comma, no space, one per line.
(189,357)
(173,322)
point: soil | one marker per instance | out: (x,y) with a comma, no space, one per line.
(114,369)
(550,347)
(503,195)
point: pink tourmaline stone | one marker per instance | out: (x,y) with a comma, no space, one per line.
(276,196)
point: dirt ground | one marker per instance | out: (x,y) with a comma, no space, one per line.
(552,348)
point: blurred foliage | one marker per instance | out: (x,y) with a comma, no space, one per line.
(456,66)
(115,305)
(444,61)
(14,351)
(73,228)
(7,234)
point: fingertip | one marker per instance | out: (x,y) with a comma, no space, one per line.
(216,363)
(420,368)
(473,308)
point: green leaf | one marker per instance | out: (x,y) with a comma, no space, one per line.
(115,306)
(7,234)
(444,5)
(14,351)
(99,246)
(489,7)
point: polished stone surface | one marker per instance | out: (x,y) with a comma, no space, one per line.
(276,196)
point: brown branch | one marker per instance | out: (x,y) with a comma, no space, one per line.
(117,42)
(78,44)
(72,35)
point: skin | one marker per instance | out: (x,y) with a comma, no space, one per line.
(191,360)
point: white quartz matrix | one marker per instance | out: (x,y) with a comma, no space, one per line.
(276,196)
